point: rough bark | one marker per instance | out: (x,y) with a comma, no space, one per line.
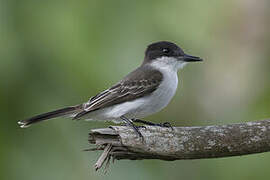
(182,142)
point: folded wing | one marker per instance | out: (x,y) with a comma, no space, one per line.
(138,83)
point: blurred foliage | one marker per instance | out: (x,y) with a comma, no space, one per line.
(55,53)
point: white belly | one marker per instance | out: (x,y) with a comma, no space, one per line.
(141,107)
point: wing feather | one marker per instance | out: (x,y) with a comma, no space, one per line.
(139,83)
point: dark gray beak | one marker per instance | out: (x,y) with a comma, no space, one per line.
(189,58)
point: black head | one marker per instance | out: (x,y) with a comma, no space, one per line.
(167,49)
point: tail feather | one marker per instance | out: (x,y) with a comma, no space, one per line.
(49,115)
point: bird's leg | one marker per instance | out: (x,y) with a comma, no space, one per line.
(166,124)
(130,123)
(144,122)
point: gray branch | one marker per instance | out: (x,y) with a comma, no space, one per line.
(182,142)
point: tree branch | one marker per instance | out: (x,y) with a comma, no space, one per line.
(182,142)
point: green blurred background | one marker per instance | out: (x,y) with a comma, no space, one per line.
(56,53)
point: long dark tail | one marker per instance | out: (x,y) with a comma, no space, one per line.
(49,115)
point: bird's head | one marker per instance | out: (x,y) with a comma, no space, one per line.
(164,53)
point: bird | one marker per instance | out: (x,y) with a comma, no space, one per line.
(144,91)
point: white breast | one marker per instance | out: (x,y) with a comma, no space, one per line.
(166,90)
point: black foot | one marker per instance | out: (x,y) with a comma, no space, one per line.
(130,123)
(139,127)
(166,124)
(144,122)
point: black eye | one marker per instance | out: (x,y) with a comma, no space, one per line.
(165,50)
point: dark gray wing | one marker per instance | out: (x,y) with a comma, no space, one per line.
(138,83)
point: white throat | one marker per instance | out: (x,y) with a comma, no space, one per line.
(168,63)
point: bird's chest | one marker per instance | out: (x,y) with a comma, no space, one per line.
(166,90)
(160,98)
